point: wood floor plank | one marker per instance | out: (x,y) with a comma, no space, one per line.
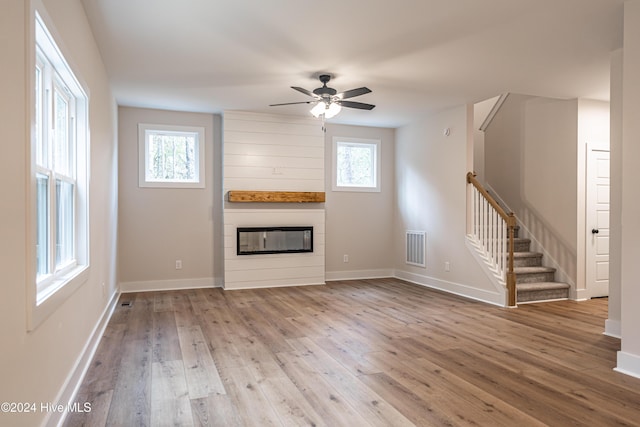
(218,410)
(166,345)
(326,400)
(221,344)
(478,407)
(227,320)
(99,402)
(163,301)
(107,361)
(130,403)
(249,398)
(288,403)
(264,329)
(170,403)
(354,353)
(375,410)
(450,395)
(201,372)
(405,400)
(540,400)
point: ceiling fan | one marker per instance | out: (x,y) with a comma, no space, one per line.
(328,102)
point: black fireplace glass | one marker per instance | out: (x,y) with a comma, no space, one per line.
(274,240)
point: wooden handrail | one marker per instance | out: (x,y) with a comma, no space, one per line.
(508,217)
(510,221)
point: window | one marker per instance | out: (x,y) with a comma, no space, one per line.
(59,171)
(357,164)
(171,156)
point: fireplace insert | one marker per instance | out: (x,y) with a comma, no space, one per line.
(274,240)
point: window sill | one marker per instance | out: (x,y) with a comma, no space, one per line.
(358,189)
(55,295)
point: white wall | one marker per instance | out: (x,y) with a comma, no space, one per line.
(613,325)
(502,150)
(268,152)
(593,131)
(549,188)
(432,197)
(549,166)
(158,226)
(531,163)
(360,224)
(629,356)
(44,365)
(481,111)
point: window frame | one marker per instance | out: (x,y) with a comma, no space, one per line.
(374,145)
(51,72)
(143,159)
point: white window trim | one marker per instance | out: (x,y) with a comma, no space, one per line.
(334,172)
(142,156)
(44,301)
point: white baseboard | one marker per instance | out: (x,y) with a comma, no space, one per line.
(579,294)
(628,364)
(612,328)
(169,285)
(69,390)
(489,297)
(359,274)
(271,286)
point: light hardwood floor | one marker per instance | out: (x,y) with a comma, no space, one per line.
(354,353)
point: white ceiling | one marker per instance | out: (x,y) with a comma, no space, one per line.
(417,56)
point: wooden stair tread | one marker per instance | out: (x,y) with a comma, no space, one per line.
(521,239)
(526,254)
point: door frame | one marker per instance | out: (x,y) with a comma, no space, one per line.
(588,254)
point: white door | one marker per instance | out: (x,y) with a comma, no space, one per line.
(597,262)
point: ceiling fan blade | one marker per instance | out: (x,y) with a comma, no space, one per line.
(306,92)
(291,103)
(353,92)
(358,105)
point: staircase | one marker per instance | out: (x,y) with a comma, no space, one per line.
(490,232)
(534,282)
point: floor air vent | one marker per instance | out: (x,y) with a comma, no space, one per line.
(416,248)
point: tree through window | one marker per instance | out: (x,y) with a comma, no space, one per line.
(171,156)
(356,163)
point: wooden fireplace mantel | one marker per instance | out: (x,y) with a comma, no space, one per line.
(243,196)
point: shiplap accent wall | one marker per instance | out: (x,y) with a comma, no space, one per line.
(273,270)
(272,152)
(268,152)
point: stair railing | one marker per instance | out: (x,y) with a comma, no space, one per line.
(494,230)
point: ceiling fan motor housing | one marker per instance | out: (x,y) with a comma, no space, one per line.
(324,91)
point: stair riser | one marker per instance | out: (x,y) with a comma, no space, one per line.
(543,295)
(535,261)
(521,246)
(535,277)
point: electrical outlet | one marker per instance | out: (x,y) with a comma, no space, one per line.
(447,266)
(178,264)
(345,258)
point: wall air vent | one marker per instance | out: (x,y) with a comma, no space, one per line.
(415,244)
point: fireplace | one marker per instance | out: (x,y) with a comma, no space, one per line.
(274,240)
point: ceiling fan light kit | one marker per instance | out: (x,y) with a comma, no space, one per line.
(329,110)
(328,102)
